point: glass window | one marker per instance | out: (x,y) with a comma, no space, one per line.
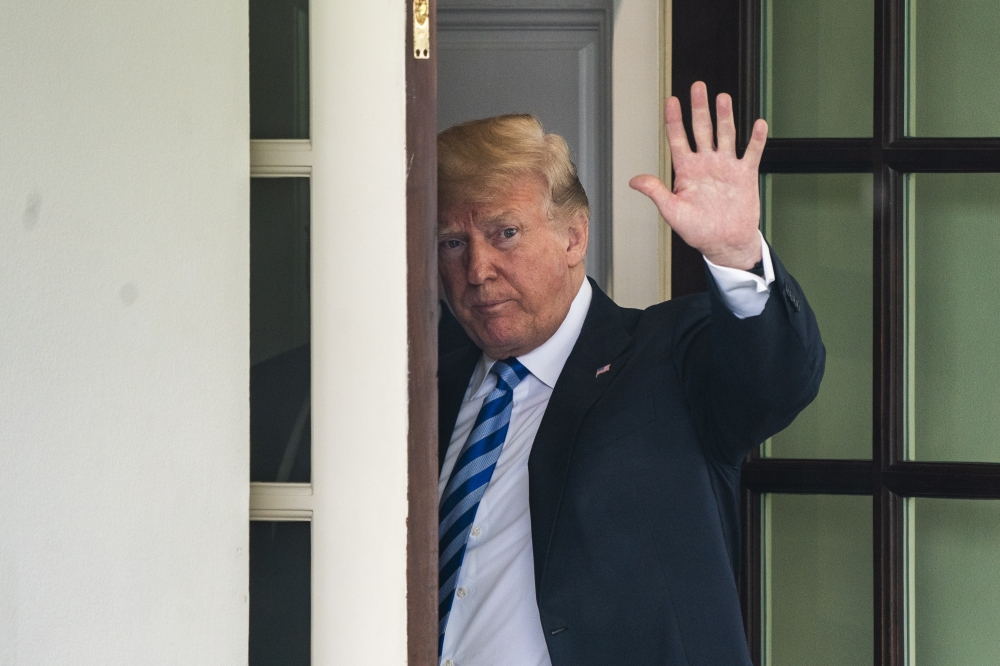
(279,69)
(953,63)
(279,593)
(953,348)
(954,595)
(280,351)
(816,79)
(820,226)
(818,59)
(280,434)
(817,580)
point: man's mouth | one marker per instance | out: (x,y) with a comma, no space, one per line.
(491,306)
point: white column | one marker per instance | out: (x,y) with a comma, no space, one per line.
(359,332)
(124,335)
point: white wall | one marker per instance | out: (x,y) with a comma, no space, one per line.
(124,332)
(359,333)
(638,118)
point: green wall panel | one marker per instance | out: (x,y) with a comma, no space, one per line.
(818,580)
(820,225)
(953,315)
(818,67)
(954,68)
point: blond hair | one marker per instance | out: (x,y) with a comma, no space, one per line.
(480,160)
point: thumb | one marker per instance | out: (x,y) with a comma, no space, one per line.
(654,188)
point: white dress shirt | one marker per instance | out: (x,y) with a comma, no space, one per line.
(494,619)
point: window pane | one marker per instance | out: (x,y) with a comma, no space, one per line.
(953,275)
(820,226)
(818,580)
(279,329)
(279,593)
(818,67)
(955,593)
(279,69)
(952,64)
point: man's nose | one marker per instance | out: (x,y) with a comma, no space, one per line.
(480,263)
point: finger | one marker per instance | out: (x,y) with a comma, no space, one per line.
(701,119)
(726,128)
(676,136)
(756,146)
(654,188)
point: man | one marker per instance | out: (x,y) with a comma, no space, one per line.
(590,454)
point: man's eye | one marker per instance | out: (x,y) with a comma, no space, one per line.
(509,233)
(451,244)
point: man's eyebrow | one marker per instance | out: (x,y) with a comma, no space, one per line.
(449,231)
(500,218)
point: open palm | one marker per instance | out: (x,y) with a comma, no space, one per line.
(715,203)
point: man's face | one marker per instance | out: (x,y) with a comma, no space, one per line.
(510,273)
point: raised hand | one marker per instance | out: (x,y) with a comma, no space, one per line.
(715,204)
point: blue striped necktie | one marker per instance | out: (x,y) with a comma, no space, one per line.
(469,480)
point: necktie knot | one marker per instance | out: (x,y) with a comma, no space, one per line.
(510,373)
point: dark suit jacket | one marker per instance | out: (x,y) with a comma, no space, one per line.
(634,474)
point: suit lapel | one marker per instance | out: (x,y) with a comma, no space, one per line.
(603,340)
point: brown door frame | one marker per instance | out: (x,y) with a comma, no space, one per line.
(422,319)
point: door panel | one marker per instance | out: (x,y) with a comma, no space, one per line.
(552,64)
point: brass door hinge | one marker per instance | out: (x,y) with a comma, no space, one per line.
(421,29)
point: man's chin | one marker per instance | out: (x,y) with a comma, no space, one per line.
(500,348)
(498,340)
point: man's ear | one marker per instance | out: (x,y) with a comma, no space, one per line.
(577,230)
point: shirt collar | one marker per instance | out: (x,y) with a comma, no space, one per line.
(546,361)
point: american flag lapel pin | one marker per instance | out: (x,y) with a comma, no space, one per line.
(601,371)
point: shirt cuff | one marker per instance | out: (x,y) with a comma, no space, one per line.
(745,293)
